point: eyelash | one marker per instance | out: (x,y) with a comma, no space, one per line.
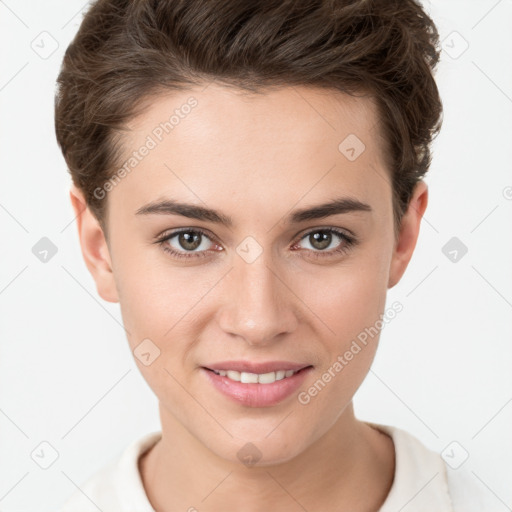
(349,242)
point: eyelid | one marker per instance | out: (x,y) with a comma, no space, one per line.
(167,234)
(171,233)
(342,231)
(348,240)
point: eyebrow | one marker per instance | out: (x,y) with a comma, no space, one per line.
(192,211)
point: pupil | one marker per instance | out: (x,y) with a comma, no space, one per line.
(188,241)
(320,239)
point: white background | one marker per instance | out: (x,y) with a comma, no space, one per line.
(443,369)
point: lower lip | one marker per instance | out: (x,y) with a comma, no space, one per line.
(257,395)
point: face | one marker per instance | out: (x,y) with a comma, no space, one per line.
(252,270)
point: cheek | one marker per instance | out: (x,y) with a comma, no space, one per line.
(351,306)
(346,299)
(157,307)
(163,304)
(151,293)
(349,302)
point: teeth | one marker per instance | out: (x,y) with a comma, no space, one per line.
(255,378)
(233,375)
(248,378)
(266,378)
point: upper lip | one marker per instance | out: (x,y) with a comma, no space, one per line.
(252,367)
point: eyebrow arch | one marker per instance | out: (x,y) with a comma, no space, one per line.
(192,211)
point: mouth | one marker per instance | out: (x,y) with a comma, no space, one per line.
(256,389)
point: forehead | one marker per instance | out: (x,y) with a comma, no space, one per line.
(282,143)
(279,115)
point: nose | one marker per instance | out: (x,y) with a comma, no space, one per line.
(259,305)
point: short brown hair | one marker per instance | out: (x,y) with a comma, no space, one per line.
(125,51)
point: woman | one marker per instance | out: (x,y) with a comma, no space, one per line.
(247,179)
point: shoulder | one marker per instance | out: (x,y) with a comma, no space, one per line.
(98,492)
(424,482)
(468,493)
(117,486)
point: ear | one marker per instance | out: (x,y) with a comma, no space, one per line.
(95,250)
(409,231)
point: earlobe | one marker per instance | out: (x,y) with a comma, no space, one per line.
(94,247)
(409,231)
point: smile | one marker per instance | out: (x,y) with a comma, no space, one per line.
(255,378)
(256,389)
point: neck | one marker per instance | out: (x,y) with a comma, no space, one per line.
(180,473)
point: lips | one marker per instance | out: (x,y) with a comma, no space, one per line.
(260,394)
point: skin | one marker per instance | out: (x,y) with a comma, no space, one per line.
(255,158)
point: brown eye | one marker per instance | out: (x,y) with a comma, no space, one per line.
(320,239)
(186,243)
(189,240)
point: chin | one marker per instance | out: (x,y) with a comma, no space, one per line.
(260,450)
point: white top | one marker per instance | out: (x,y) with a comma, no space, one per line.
(422,483)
